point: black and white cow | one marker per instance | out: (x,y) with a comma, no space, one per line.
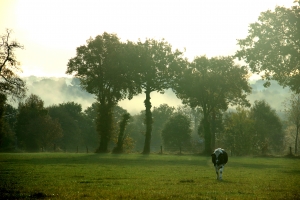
(219,158)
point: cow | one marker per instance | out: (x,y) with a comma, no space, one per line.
(219,158)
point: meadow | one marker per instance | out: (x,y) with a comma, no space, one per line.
(136,176)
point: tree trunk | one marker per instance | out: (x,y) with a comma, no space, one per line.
(296,142)
(104,126)
(149,122)
(207,135)
(213,130)
(119,147)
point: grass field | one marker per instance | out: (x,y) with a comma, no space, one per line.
(135,176)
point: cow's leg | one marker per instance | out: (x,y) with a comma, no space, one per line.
(221,171)
(217,171)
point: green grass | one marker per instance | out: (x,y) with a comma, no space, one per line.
(135,176)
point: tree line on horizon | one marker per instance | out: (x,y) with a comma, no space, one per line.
(64,127)
(112,70)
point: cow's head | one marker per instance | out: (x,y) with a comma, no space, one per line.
(218,151)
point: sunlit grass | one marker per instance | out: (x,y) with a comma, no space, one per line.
(135,176)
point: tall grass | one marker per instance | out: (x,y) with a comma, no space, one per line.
(135,176)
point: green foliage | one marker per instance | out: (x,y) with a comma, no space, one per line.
(136,130)
(272,46)
(161,114)
(35,129)
(292,110)
(10,83)
(133,176)
(255,131)
(103,68)
(238,132)
(78,128)
(268,128)
(2,103)
(177,132)
(8,138)
(153,61)
(212,84)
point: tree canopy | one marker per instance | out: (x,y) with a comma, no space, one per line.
(273,46)
(35,129)
(268,133)
(153,61)
(103,68)
(10,83)
(212,84)
(177,131)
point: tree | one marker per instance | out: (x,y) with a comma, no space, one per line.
(35,129)
(153,60)
(2,106)
(103,68)
(268,132)
(177,132)
(7,139)
(161,115)
(238,132)
(122,136)
(136,129)
(272,46)
(292,110)
(72,122)
(10,83)
(212,84)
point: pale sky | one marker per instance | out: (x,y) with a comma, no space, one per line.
(51,30)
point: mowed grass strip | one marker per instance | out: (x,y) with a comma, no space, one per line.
(135,176)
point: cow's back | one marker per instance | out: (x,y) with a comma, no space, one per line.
(223,158)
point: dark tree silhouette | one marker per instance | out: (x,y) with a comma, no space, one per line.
(10,83)
(35,129)
(122,136)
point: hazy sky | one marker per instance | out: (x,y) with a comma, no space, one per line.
(51,30)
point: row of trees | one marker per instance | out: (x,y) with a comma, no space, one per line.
(113,70)
(63,127)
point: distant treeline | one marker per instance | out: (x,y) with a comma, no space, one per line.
(65,127)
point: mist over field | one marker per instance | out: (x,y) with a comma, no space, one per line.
(60,90)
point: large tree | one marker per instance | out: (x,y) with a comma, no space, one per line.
(10,83)
(152,63)
(103,68)
(273,46)
(212,84)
